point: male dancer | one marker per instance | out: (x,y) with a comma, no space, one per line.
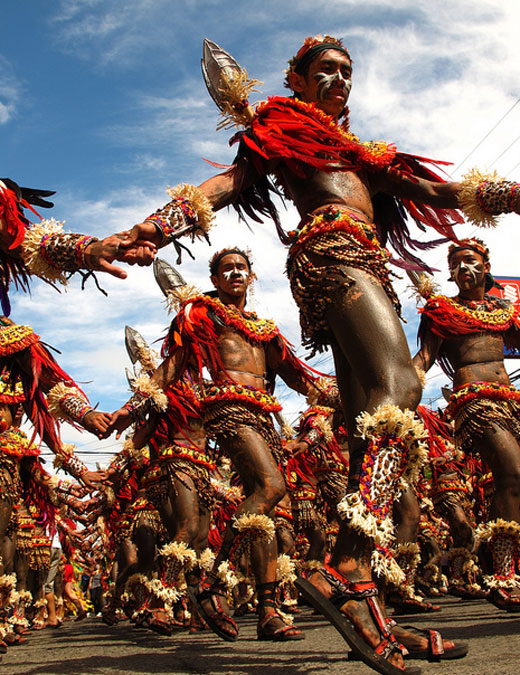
(340,281)
(242,353)
(467,335)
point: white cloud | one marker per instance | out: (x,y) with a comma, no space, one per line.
(10,90)
(433,77)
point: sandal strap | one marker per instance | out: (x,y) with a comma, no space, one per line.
(268,618)
(435,642)
(266,594)
(343,589)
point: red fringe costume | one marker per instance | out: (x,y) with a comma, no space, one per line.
(304,138)
(476,406)
(19,345)
(41,249)
(323,461)
(178,459)
(227,405)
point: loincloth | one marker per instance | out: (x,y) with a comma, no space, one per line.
(191,466)
(141,513)
(449,492)
(10,486)
(479,406)
(305,514)
(229,407)
(338,235)
(39,553)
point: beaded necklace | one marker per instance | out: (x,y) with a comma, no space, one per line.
(247,323)
(470,316)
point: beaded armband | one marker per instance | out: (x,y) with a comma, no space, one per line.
(325,392)
(147,395)
(68,403)
(69,501)
(482,197)
(119,463)
(68,461)
(50,253)
(313,437)
(188,213)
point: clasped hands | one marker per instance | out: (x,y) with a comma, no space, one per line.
(137,246)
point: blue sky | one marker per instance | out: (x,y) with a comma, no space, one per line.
(103,101)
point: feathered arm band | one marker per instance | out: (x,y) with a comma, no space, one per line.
(147,394)
(188,213)
(68,403)
(482,197)
(51,254)
(68,461)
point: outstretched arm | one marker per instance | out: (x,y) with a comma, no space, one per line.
(481,197)
(438,195)
(188,213)
(285,364)
(151,394)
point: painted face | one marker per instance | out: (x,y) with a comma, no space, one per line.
(235,272)
(233,275)
(467,269)
(328,82)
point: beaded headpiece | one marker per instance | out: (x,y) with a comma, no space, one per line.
(308,51)
(471,243)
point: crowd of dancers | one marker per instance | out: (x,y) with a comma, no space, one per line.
(215,506)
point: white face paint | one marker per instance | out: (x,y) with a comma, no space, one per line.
(327,81)
(235,272)
(472,269)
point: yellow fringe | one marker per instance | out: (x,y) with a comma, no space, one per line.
(287,431)
(352,509)
(468,200)
(180,552)
(387,568)
(168,595)
(259,526)
(389,419)
(66,452)
(178,296)
(206,560)
(235,88)
(54,400)
(147,357)
(138,455)
(425,287)
(486,531)
(199,202)
(285,569)
(317,388)
(144,385)
(321,423)
(31,254)
(227,576)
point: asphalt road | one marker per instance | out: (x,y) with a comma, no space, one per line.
(90,647)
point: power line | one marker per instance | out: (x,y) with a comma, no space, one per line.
(504,151)
(487,135)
